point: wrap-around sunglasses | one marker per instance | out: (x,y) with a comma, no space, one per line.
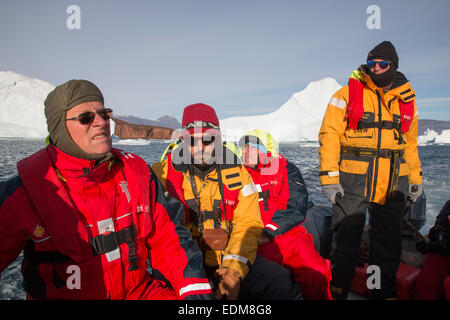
(206,140)
(382,64)
(89,116)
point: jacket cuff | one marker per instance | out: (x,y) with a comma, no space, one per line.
(324,180)
(193,286)
(237,263)
(271,230)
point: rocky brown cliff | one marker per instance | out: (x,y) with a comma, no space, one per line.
(125,130)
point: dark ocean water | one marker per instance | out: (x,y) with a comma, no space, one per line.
(434,158)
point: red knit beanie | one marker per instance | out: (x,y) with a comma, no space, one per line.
(199,115)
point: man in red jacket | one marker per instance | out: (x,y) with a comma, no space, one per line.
(90,217)
(283,200)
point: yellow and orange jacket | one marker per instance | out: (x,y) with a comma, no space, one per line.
(241,217)
(379,107)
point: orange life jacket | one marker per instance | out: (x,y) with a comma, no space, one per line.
(174,185)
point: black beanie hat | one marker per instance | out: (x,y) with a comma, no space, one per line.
(386,51)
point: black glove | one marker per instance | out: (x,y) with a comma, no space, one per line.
(436,233)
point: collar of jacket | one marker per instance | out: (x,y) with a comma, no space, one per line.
(401,87)
(69,167)
(202,172)
(264,160)
(268,164)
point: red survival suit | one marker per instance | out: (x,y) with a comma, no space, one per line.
(283,202)
(88,232)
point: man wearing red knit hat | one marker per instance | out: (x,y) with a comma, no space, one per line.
(221,211)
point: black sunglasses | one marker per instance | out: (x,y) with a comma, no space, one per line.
(88,117)
(206,141)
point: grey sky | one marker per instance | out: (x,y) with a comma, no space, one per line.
(152,58)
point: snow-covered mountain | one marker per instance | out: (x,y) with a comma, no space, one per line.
(299,119)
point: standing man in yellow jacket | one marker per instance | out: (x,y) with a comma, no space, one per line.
(369,161)
(222,210)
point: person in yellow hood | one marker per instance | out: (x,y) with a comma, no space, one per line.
(222,211)
(283,202)
(369,160)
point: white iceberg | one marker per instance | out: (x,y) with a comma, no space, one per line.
(299,119)
(22,105)
(444,137)
(429,136)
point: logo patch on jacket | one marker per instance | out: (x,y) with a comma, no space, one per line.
(230,202)
(143,208)
(39,231)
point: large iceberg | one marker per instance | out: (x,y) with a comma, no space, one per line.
(444,137)
(22,105)
(299,119)
(431,136)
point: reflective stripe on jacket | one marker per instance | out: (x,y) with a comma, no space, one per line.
(283,197)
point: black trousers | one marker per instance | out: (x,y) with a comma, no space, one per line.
(349,216)
(267,280)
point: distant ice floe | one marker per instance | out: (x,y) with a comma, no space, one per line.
(431,136)
(132,142)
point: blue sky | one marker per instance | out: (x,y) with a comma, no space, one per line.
(152,58)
